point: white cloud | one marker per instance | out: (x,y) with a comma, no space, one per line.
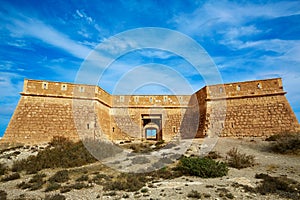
(83,15)
(37,29)
(215,15)
(151,53)
(10,84)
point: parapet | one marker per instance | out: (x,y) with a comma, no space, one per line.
(65,90)
(246,89)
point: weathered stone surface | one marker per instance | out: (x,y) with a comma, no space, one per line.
(48,109)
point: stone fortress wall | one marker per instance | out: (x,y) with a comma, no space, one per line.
(47,109)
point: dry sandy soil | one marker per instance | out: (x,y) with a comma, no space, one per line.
(179,188)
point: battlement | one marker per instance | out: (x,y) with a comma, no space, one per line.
(147,101)
(65,90)
(245,89)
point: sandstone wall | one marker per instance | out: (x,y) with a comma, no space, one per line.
(47,109)
(253,108)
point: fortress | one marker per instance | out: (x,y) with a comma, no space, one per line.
(47,109)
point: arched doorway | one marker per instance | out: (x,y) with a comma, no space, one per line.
(151,131)
(152,126)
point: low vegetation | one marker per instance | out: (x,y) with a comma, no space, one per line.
(3,195)
(2,169)
(202,167)
(60,153)
(11,177)
(60,177)
(141,147)
(239,160)
(35,183)
(55,197)
(194,194)
(282,186)
(285,143)
(127,182)
(213,155)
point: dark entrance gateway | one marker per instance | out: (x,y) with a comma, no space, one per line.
(152,128)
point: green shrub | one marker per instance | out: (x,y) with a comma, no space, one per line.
(60,153)
(100,178)
(239,160)
(202,167)
(194,194)
(286,144)
(3,195)
(282,186)
(35,183)
(144,190)
(11,177)
(127,182)
(60,176)
(83,178)
(52,186)
(2,169)
(76,186)
(164,173)
(55,197)
(23,185)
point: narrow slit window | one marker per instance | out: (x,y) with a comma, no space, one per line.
(136,99)
(221,90)
(45,85)
(165,99)
(174,129)
(81,89)
(88,126)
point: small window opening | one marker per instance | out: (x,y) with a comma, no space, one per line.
(221,90)
(136,99)
(64,87)
(238,88)
(165,98)
(174,129)
(150,99)
(222,125)
(259,86)
(81,89)
(45,85)
(88,126)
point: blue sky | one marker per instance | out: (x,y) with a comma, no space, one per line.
(50,39)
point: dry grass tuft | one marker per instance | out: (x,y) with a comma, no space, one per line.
(239,160)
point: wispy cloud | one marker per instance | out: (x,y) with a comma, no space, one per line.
(39,30)
(219,14)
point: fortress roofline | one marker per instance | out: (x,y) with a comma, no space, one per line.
(203,88)
(243,82)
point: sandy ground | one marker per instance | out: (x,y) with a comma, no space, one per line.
(179,188)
